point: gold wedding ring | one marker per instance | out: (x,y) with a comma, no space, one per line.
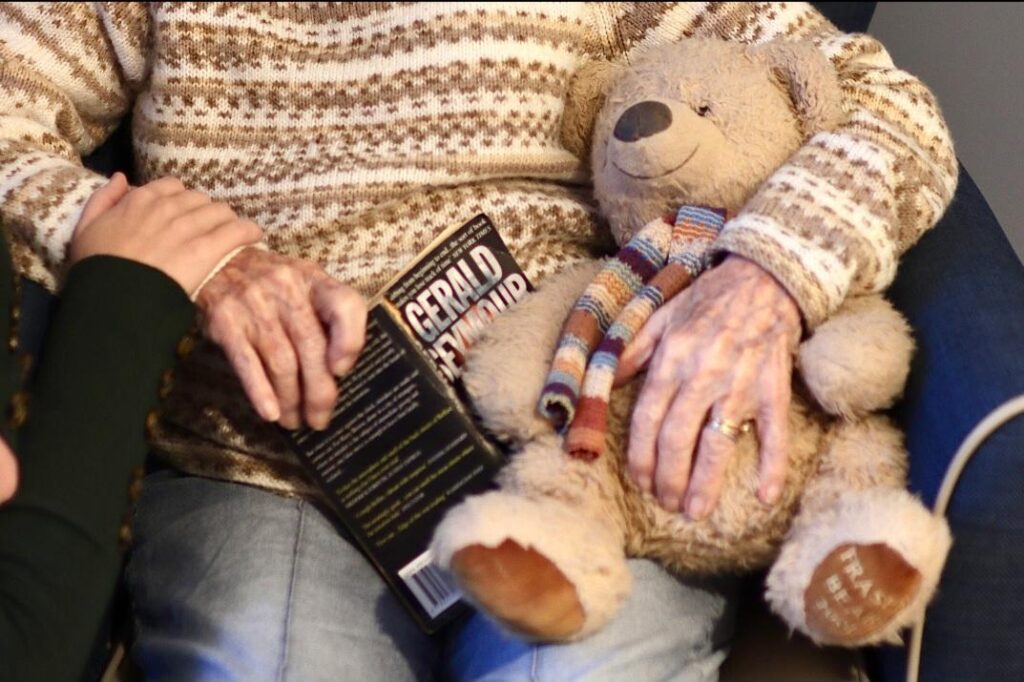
(729,429)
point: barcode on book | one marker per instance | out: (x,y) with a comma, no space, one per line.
(431,586)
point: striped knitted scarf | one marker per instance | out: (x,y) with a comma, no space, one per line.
(659,262)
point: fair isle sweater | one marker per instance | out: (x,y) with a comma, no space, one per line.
(355,132)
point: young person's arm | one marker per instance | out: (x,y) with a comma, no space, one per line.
(120,316)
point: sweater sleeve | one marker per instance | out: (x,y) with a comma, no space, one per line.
(114,330)
(833,221)
(68,74)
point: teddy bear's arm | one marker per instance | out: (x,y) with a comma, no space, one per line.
(857,362)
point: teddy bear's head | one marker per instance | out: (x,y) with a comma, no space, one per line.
(700,122)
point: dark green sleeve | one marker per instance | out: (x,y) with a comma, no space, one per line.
(114,331)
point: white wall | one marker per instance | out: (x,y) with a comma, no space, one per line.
(971,54)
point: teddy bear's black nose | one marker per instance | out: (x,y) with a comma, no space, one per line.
(641,120)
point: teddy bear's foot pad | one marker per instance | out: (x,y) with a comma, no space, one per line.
(521,588)
(858,571)
(857,590)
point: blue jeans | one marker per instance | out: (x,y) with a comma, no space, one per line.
(234,583)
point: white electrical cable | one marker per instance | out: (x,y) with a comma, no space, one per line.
(989,425)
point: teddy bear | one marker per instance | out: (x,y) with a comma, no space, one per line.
(852,556)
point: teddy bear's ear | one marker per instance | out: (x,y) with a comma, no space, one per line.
(810,79)
(587,91)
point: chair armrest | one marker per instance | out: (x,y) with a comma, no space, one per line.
(962,289)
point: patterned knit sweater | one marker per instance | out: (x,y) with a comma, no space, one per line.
(354,132)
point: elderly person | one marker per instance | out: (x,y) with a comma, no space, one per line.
(73,442)
(353,133)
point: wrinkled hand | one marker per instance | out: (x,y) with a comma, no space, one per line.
(288,329)
(721,349)
(182,233)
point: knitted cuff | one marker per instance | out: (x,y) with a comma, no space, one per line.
(813,276)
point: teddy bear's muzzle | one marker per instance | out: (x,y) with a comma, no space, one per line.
(653,140)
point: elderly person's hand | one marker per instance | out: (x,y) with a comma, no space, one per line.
(288,329)
(721,350)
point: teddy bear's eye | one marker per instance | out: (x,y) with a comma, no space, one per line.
(703,110)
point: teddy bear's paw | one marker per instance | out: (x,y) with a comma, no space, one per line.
(857,362)
(543,569)
(859,572)
(521,589)
(857,591)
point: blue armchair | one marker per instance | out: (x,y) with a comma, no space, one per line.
(962,288)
